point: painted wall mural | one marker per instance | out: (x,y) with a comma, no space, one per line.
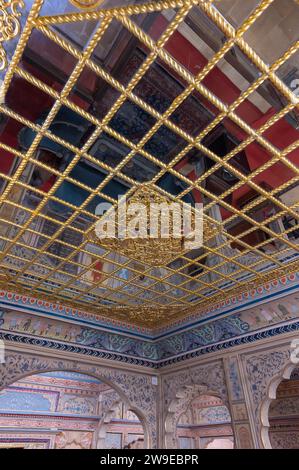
(30,441)
(159,352)
(73,440)
(78,405)
(54,394)
(234,379)
(135,388)
(205,410)
(74,417)
(114,440)
(285,407)
(205,416)
(283,284)
(213,415)
(70,333)
(250,320)
(260,368)
(65,402)
(21,400)
(285,440)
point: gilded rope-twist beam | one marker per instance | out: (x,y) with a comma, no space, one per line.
(137,77)
(219,118)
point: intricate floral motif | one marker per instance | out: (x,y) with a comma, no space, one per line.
(285,440)
(9,25)
(234,377)
(135,388)
(285,406)
(261,368)
(210,378)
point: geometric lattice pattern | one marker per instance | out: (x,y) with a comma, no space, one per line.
(49,253)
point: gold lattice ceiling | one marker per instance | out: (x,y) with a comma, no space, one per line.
(127,287)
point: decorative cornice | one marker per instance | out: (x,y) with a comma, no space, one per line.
(223,346)
(259,283)
(246,339)
(58,346)
(48,306)
(236,297)
(141,316)
(150,317)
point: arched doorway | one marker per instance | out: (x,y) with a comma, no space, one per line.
(206,424)
(196,418)
(63,410)
(284,414)
(119,428)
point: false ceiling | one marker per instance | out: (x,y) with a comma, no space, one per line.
(196,101)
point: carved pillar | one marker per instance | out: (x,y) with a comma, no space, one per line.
(260,371)
(180,387)
(240,414)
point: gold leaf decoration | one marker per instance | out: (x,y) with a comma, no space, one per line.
(154,251)
(86,4)
(9,25)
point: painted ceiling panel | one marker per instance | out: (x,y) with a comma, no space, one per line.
(164,101)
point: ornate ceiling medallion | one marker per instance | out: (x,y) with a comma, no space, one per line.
(9,25)
(152,228)
(86,4)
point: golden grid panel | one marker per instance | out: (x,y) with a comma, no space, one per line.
(153,310)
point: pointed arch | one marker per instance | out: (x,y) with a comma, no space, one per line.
(183,398)
(271,392)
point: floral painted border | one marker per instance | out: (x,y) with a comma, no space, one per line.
(31,303)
